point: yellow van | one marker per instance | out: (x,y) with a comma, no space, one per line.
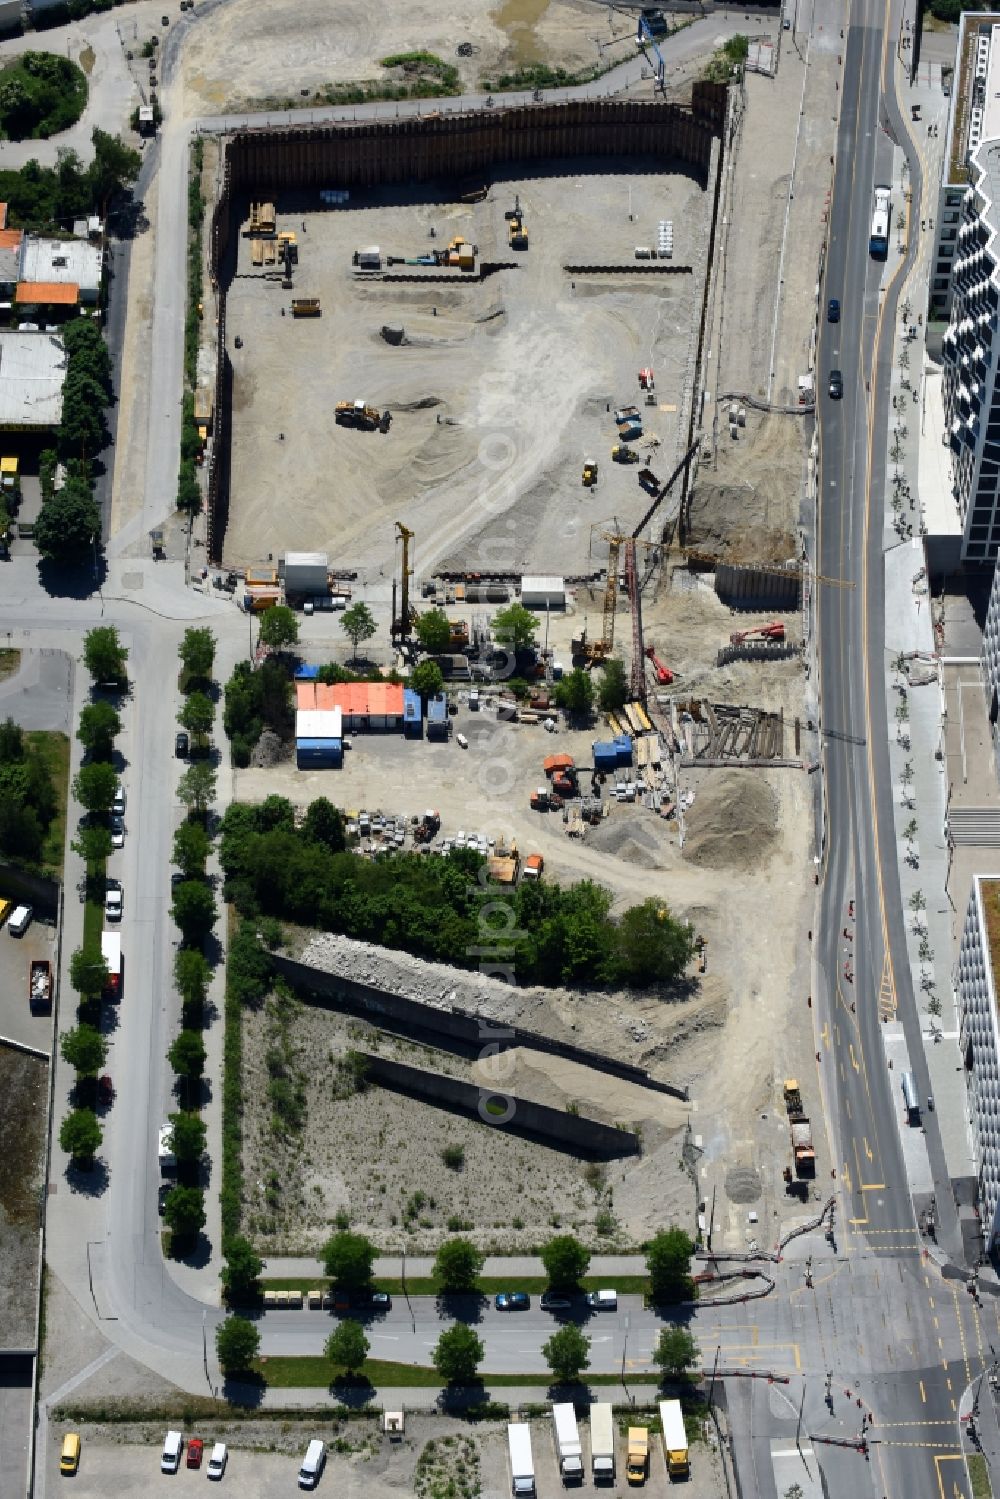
(70,1459)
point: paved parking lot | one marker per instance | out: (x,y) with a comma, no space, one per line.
(16,953)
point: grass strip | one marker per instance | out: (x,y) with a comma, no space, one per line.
(287,1372)
(53,750)
(980,1476)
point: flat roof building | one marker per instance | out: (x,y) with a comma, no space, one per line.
(32,371)
(979,1041)
(543,593)
(68,262)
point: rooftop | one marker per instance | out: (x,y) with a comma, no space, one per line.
(32,371)
(975,109)
(48,293)
(63,260)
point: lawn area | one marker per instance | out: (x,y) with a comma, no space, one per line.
(317,1372)
(40,95)
(54,750)
(979,1473)
(93,924)
(10,662)
(489,1285)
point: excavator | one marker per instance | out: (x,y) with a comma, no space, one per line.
(357,414)
(663,673)
(774,631)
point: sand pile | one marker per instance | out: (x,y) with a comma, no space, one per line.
(733,823)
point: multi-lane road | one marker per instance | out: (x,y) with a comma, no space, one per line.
(868,1309)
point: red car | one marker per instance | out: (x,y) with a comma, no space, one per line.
(105,1091)
(195,1449)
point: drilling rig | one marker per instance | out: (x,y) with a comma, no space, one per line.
(402,622)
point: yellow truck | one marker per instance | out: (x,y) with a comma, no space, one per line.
(674,1435)
(637,1454)
(9,468)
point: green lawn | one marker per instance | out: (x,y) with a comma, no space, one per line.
(10,662)
(979,1473)
(317,1372)
(53,749)
(489,1285)
(93,923)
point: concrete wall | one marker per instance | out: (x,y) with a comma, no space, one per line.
(517,1116)
(471,1032)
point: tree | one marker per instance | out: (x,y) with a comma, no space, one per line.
(80,1136)
(324,824)
(191,974)
(196,787)
(92,843)
(99,723)
(427,679)
(88,972)
(348,1259)
(94,786)
(197,714)
(236,1344)
(567,1354)
(197,653)
(457,1354)
(184,1212)
(676,1351)
(651,945)
(191,848)
(457,1265)
(104,655)
(575,693)
(194,910)
(188,1137)
(668,1259)
(189,495)
(187,1055)
(279,628)
(613,692)
(84,1049)
(241,1272)
(69,524)
(565,1261)
(114,167)
(515,626)
(358,624)
(433,631)
(347,1346)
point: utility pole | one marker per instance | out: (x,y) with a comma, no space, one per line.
(711,1383)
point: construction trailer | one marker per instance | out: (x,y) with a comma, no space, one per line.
(437,717)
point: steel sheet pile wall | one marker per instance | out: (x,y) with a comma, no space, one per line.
(268,162)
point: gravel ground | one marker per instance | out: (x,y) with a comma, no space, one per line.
(24,1089)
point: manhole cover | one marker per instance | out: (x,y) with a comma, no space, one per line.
(743,1184)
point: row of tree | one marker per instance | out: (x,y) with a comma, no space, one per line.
(69,522)
(434,908)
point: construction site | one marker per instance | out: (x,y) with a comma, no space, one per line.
(530,364)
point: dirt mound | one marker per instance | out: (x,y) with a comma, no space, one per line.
(733,823)
(269,750)
(630,838)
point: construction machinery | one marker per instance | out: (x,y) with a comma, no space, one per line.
(622,454)
(306,307)
(646,381)
(357,414)
(648,480)
(517,234)
(403,622)
(793,1096)
(589,473)
(663,673)
(774,631)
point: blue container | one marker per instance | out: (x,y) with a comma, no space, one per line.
(623,749)
(306,673)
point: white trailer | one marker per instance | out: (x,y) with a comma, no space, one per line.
(522,1467)
(602,1442)
(568,1448)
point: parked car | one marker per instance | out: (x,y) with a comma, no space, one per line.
(170,1457)
(836,385)
(555,1301)
(114,902)
(117,831)
(163,1192)
(378,1301)
(603,1301)
(181,746)
(217,1461)
(105,1091)
(196,1449)
(833,310)
(512,1301)
(20,920)
(118,805)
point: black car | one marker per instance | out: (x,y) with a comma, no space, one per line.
(833,311)
(836,385)
(512,1301)
(181,746)
(555,1301)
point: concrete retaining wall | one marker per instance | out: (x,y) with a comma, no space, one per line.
(517,1116)
(472,1032)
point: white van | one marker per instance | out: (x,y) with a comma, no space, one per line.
(20,920)
(603,1301)
(173,1446)
(312,1464)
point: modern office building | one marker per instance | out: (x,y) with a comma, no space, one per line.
(979,1040)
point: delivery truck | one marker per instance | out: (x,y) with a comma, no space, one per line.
(675,1444)
(111,952)
(522,1467)
(568,1449)
(637,1458)
(602,1443)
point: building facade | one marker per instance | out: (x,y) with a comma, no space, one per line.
(979,1039)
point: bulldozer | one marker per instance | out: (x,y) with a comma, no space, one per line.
(357,414)
(620,453)
(589,473)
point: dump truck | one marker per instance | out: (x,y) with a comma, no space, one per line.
(675,1443)
(533,866)
(569,1452)
(637,1454)
(40,986)
(602,1443)
(305,307)
(802,1145)
(589,473)
(357,414)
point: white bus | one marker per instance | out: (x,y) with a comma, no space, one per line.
(878,244)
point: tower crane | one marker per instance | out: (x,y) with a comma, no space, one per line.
(402,623)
